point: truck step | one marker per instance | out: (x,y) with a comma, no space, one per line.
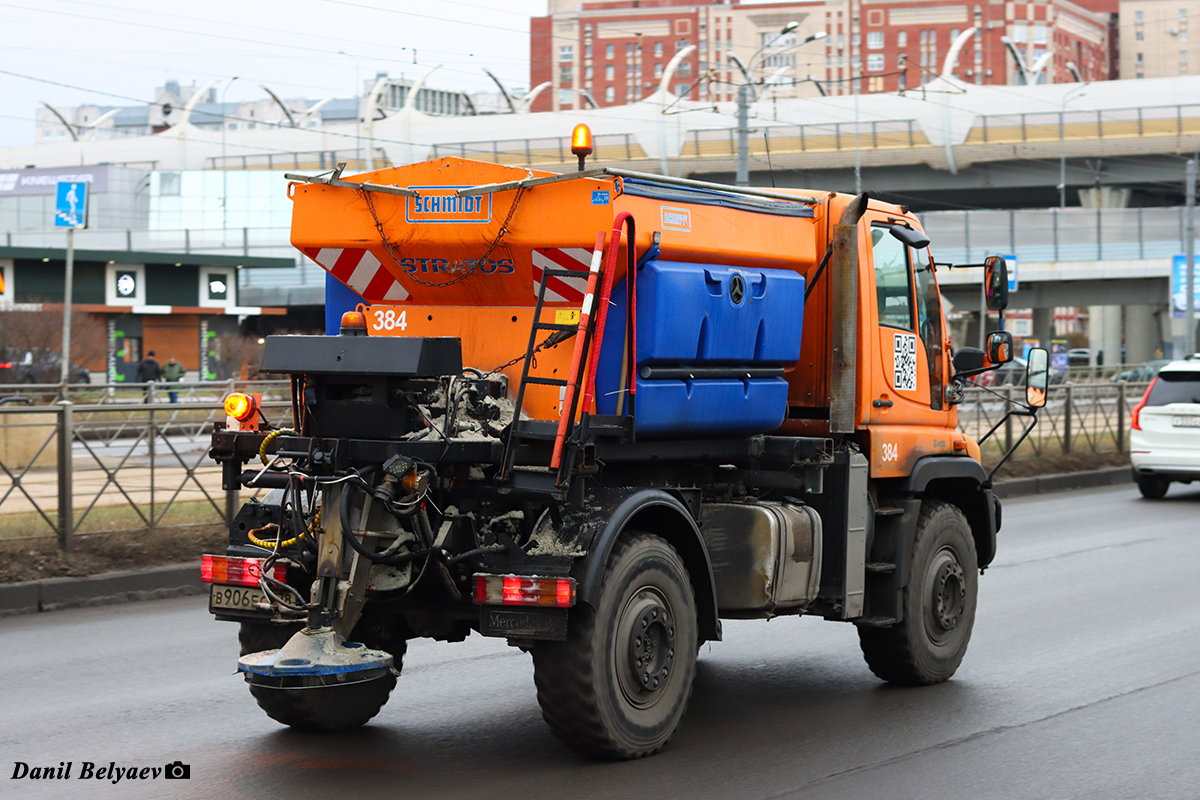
(875,622)
(880,566)
(888,511)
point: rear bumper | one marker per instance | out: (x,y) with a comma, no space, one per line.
(1169,473)
(1153,460)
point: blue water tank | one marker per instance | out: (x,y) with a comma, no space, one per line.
(705,315)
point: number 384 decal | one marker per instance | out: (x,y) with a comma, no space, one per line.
(388,319)
(891,451)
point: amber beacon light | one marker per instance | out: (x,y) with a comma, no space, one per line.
(581,143)
(354,323)
(239,406)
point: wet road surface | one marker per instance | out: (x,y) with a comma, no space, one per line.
(1082,680)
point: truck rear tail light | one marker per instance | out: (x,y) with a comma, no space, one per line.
(236,571)
(515,590)
(1136,424)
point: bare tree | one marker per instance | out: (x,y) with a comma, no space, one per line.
(235,357)
(40,332)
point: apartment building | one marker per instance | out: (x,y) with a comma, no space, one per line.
(616,51)
(1154,38)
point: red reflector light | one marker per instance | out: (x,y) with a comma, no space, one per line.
(236,571)
(1135,421)
(516,590)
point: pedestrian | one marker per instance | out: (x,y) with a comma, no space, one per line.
(172,372)
(148,371)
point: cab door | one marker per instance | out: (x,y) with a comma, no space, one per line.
(902,359)
(908,417)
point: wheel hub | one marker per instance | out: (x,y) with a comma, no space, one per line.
(648,629)
(652,645)
(949,594)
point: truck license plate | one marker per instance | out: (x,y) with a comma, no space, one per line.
(1186,422)
(241,598)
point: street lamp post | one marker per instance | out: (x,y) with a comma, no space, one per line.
(357,112)
(1062,147)
(746,96)
(224,166)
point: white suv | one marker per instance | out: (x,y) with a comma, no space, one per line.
(1164,444)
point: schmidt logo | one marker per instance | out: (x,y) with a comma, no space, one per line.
(8,181)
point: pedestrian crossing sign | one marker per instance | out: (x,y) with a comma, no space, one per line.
(70,208)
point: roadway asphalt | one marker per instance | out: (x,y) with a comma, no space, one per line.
(1082,680)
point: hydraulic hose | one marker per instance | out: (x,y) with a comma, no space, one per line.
(358,546)
(262,448)
(269,545)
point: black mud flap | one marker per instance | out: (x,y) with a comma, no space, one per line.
(547,624)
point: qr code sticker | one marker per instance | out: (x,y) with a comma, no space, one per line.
(904,363)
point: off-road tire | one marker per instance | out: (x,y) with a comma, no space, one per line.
(1153,488)
(586,686)
(254,637)
(927,646)
(325,708)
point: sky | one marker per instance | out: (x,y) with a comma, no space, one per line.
(299,48)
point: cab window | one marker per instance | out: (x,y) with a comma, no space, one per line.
(929,322)
(893,288)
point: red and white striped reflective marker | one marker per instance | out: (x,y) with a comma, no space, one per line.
(361,271)
(585,313)
(561,290)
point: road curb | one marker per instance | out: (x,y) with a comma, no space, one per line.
(53,594)
(1064,481)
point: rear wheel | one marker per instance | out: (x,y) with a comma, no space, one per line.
(620,684)
(1153,488)
(939,604)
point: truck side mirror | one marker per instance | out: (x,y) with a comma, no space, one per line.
(969,359)
(910,236)
(1037,377)
(995,282)
(1000,347)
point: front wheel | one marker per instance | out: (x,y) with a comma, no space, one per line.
(1153,488)
(939,604)
(619,685)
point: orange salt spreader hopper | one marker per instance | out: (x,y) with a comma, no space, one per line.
(454,247)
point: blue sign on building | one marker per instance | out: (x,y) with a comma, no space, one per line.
(70,207)
(1010,261)
(1179,286)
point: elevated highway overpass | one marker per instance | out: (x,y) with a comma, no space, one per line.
(940,145)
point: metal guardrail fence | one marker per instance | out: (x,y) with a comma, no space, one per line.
(119,393)
(69,469)
(77,468)
(1077,418)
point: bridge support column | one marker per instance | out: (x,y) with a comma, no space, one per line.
(1143,339)
(1043,326)
(1105,333)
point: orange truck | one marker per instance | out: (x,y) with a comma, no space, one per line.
(595,414)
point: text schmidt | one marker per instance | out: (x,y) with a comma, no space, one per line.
(89,771)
